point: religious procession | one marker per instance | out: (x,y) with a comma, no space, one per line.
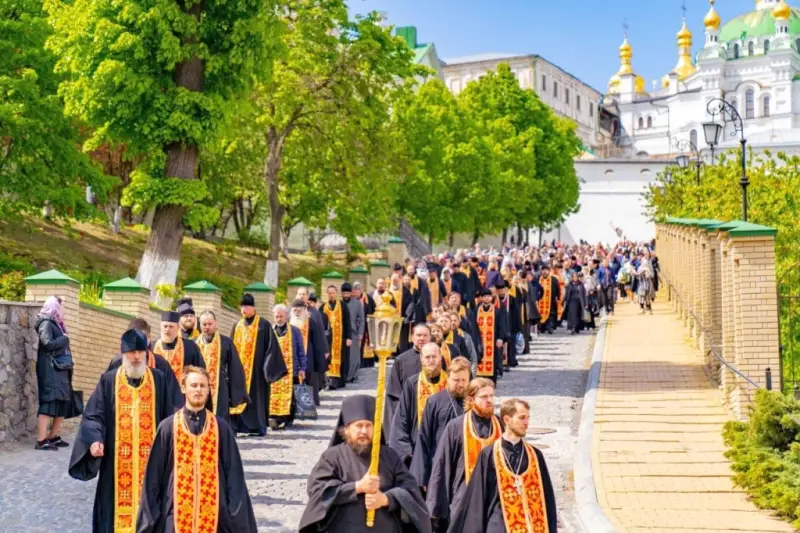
(428,452)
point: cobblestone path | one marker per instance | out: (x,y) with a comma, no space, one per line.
(37,495)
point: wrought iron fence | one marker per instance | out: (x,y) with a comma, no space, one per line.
(789,318)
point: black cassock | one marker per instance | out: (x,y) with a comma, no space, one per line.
(369,308)
(422,301)
(340,382)
(98,425)
(406,365)
(407,312)
(440,409)
(173,387)
(446,485)
(510,305)
(482,511)
(268,367)
(500,333)
(191,356)
(317,335)
(404,430)
(551,321)
(230,381)
(156,510)
(334,507)
(461,345)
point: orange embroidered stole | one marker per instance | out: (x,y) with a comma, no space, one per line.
(151,359)
(335,320)
(280,392)
(544,302)
(212,355)
(448,286)
(445,349)
(522,497)
(397,294)
(196,484)
(433,287)
(485,321)
(244,338)
(473,444)
(173,356)
(561,285)
(134,430)
(426,389)
(462,311)
(369,353)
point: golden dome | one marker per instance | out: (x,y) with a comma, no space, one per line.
(639,86)
(684,35)
(685,67)
(712,20)
(782,11)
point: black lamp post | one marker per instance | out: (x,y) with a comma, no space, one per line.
(713,131)
(683,160)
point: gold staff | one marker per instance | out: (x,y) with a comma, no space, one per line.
(384,336)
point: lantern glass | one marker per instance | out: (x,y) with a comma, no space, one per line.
(397,326)
(682,160)
(372,330)
(712,132)
(384,332)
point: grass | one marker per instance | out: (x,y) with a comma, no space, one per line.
(94,255)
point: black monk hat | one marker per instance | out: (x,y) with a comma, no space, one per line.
(484,292)
(170,316)
(185,306)
(397,267)
(354,408)
(133,340)
(346,287)
(500,283)
(247,299)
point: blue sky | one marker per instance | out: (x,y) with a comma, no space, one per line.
(580,36)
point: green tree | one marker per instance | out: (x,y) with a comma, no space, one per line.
(325,114)
(40,156)
(156,75)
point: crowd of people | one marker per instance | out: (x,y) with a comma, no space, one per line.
(160,430)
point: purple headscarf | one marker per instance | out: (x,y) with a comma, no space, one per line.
(52,309)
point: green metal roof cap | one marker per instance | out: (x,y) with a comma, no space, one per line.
(300,282)
(259,286)
(360,269)
(379,263)
(396,240)
(123,285)
(748,229)
(332,275)
(201,286)
(51,277)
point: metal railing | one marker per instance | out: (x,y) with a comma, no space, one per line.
(715,350)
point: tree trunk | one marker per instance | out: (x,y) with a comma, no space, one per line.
(117,219)
(505,236)
(475,234)
(540,236)
(451,240)
(162,253)
(430,240)
(519,234)
(272,168)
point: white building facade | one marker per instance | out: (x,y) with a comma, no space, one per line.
(567,95)
(751,61)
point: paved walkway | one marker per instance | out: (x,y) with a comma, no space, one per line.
(657,448)
(37,495)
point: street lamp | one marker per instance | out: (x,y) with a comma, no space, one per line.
(713,131)
(683,160)
(384,335)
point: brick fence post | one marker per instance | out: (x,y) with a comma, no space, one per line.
(127,296)
(205,296)
(294,284)
(378,269)
(396,251)
(53,283)
(360,274)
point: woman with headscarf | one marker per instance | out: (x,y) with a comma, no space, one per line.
(644,288)
(53,374)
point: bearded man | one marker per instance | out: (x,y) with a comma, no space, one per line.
(188,321)
(179,352)
(121,415)
(341,490)
(416,392)
(318,338)
(225,372)
(448,351)
(355,310)
(281,411)
(314,345)
(527,499)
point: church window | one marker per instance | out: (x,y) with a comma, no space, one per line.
(578,101)
(649,122)
(591,109)
(566,96)
(555,89)
(751,48)
(766,46)
(544,83)
(641,123)
(765,111)
(750,104)
(736,51)
(693,138)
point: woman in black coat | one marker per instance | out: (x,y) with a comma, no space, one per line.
(575,303)
(53,374)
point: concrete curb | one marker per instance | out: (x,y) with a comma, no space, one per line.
(592,516)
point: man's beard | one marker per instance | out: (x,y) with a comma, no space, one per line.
(298,321)
(133,371)
(381,291)
(362,449)
(166,340)
(483,414)
(458,394)
(346,298)
(431,373)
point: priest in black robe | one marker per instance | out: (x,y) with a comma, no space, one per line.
(404,303)
(189,327)
(404,425)
(406,365)
(510,307)
(420,293)
(171,345)
(94,450)
(314,346)
(232,509)
(341,338)
(452,338)
(449,478)
(547,287)
(489,307)
(440,409)
(482,509)
(228,388)
(318,342)
(340,489)
(263,365)
(367,354)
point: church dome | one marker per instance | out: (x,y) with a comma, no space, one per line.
(782,11)
(759,23)
(712,19)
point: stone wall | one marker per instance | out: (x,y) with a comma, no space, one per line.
(722,285)
(18,342)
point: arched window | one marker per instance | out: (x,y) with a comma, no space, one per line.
(766,46)
(693,138)
(750,104)
(641,123)
(751,48)
(765,109)
(649,122)
(736,50)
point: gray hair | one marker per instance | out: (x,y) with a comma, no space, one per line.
(207,312)
(280,307)
(357,285)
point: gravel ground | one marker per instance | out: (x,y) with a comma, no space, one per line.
(37,495)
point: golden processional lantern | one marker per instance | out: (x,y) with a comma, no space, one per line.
(384,335)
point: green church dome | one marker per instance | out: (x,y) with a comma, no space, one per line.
(759,23)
